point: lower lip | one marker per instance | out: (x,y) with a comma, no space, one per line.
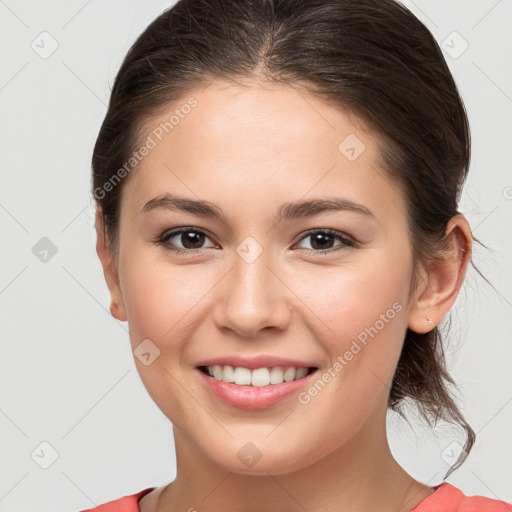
(253,397)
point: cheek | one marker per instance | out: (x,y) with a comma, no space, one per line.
(348,299)
(162,303)
(364,306)
(161,299)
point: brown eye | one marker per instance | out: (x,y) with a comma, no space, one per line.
(192,239)
(323,240)
(184,239)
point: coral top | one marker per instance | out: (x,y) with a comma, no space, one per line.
(446,498)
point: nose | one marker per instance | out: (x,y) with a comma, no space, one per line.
(252,297)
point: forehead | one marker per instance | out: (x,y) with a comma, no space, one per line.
(263,141)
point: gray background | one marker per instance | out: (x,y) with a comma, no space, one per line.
(67,375)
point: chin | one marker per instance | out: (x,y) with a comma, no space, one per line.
(261,459)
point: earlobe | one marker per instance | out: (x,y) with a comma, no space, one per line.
(444,278)
(118,312)
(110,270)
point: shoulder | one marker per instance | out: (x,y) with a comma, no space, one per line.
(448,498)
(129,503)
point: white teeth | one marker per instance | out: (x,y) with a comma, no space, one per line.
(289,374)
(242,376)
(228,374)
(276,375)
(301,372)
(258,377)
(217,372)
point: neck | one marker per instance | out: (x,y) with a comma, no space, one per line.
(360,475)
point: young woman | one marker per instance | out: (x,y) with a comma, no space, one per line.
(277,184)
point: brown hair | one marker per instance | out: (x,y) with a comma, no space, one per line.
(371,58)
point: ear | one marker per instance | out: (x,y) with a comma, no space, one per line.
(442,279)
(110,269)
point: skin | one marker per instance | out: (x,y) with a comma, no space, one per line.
(249,149)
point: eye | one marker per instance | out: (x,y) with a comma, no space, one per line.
(191,239)
(322,241)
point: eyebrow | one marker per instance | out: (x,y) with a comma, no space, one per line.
(288,211)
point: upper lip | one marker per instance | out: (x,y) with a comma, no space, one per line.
(254,362)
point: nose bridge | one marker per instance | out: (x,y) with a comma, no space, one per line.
(254,298)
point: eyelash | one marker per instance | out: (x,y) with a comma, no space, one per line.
(345,241)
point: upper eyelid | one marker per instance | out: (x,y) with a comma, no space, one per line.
(176,231)
(325,230)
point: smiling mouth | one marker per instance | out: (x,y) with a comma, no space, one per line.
(259,377)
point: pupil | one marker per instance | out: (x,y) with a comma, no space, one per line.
(318,239)
(193,238)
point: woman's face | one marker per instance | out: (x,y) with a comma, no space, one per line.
(250,283)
